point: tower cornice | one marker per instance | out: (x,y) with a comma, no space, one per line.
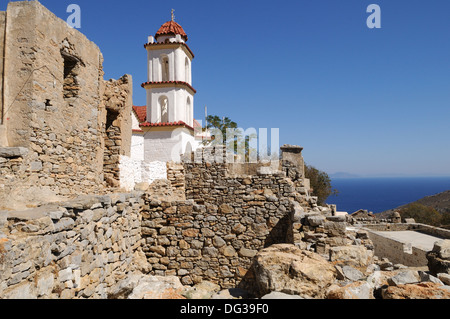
(171,84)
(169,45)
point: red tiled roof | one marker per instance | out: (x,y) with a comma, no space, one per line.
(179,123)
(175,43)
(141,113)
(171,27)
(169,82)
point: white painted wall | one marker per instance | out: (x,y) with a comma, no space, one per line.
(134,122)
(136,171)
(172,38)
(153,171)
(177,65)
(137,147)
(167,145)
(177,105)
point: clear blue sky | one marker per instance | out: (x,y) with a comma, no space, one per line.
(359,100)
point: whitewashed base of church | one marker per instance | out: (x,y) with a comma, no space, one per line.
(137,147)
(137,171)
(167,146)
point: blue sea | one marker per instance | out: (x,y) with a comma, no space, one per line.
(380,194)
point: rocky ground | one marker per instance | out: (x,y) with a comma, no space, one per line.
(284,271)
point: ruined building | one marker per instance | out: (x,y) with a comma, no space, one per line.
(63,128)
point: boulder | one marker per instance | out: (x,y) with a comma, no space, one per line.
(445,278)
(354,290)
(315,220)
(423,290)
(439,258)
(280,295)
(355,256)
(424,276)
(232,293)
(442,248)
(149,287)
(404,277)
(202,290)
(288,269)
(348,273)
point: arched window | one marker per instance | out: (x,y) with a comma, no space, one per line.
(165,68)
(188,111)
(187,71)
(163,110)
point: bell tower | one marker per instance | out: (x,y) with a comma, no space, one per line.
(170,95)
(167,129)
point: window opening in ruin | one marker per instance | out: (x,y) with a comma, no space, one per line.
(112,148)
(71,86)
(111,116)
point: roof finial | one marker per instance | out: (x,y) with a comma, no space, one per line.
(173,15)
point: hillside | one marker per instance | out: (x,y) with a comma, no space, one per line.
(440,202)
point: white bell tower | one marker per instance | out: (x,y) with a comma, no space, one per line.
(168,130)
(170,95)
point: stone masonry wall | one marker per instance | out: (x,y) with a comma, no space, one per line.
(215,233)
(116,125)
(175,175)
(76,249)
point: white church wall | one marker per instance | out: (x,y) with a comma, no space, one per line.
(181,72)
(136,171)
(130,172)
(171,38)
(177,103)
(177,61)
(137,147)
(166,145)
(153,171)
(155,67)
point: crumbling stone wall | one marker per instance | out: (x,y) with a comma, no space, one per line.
(212,242)
(215,233)
(75,249)
(116,125)
(175,175)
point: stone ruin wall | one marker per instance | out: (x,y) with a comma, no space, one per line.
(116,127)
(76,249)
(80,248)
(56,106)
(215,233)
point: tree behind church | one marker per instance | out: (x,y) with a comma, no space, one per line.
(320,182)
(222,124)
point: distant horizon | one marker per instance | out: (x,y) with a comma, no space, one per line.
(384,193)
(360,176)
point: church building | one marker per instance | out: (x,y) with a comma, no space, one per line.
(165,127)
